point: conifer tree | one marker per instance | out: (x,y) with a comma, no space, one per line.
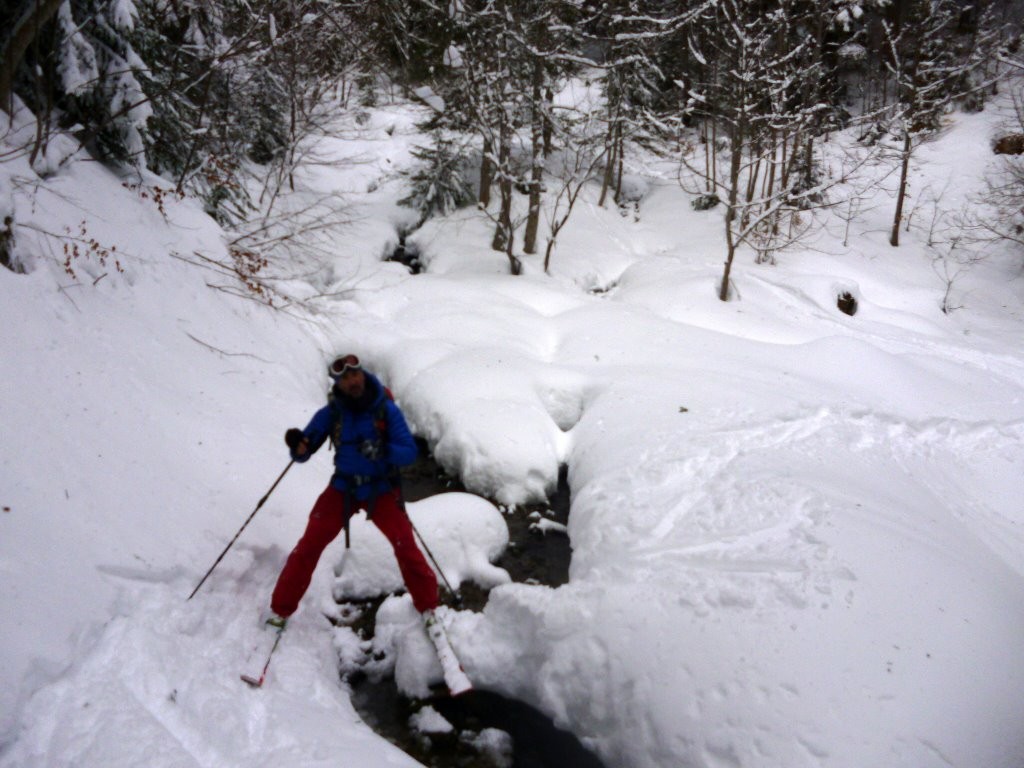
(77,67)
(438,185)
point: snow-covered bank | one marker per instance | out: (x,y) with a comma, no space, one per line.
(160,684)
(132,409)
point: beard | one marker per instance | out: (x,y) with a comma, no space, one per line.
(360,402)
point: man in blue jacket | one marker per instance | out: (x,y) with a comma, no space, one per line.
(371,441)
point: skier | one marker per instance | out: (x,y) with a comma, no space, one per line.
(371,441)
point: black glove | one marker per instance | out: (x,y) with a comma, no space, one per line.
(372,449)
(293,437)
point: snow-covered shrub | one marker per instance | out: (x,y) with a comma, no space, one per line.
(439,184)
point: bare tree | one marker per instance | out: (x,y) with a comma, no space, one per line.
(998,214)
(757,71)
(952,247)
(581,155)
(930,67)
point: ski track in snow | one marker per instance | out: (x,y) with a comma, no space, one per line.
(162,684)
(732,538)
(726,516)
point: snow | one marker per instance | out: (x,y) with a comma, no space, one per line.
(427,95)
(429,720)
(498,745)
(464,532)
(122,15)
(797,536)
(544,526)
(77,66)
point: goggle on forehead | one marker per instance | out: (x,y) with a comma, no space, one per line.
(343,365)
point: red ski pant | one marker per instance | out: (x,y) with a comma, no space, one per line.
(326,521)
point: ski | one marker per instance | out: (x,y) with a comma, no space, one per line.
(260,655)
(454,675)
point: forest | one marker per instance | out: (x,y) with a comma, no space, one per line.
(217,97)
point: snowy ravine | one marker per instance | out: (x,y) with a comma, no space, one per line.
(767,567)
(797,536)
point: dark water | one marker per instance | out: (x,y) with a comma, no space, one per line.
(535,742)
(531,557)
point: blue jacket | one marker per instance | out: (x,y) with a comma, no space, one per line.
(354,472)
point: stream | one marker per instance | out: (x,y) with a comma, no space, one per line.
(490,730)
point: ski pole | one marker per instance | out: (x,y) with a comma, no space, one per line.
(415,530)
(251,516)
(347,511)
(458,599)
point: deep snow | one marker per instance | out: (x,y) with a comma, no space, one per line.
(797,536)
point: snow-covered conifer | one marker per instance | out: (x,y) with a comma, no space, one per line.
(438,185)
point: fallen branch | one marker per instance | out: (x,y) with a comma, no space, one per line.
(222,352)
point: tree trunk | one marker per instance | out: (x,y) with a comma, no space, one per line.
(34,14)
(45,97)
(723,291)
(609,167)
(503,230)
(515,266)
(537,164)
(901,194)
(707,157)
(753,172)
(620,147)
(486,174)
(714,155)
(533,214)
(769,185)
(549,99)
(730,213)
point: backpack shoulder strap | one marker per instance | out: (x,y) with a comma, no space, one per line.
(335,434)
(380,420)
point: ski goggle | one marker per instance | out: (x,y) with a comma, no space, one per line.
(343,365)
